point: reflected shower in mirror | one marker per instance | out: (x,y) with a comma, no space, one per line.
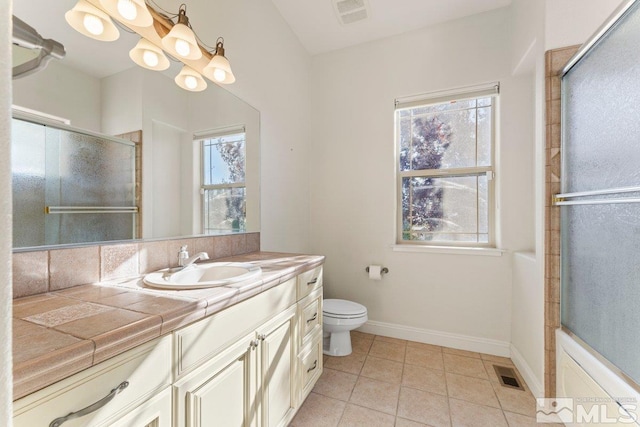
(71,187)
(100,91)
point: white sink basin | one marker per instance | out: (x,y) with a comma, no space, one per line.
(206,275)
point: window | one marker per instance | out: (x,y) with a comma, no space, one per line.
(445,170)
(223,186)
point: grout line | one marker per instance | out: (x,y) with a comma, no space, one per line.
(489,372)
(342,415)
(401,381)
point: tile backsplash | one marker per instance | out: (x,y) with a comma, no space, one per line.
(38,272)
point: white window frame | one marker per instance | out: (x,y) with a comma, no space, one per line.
(466,93)
(200,138)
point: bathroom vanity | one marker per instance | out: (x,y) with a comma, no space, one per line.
(251,360)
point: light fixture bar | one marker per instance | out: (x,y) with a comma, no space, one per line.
(161,27)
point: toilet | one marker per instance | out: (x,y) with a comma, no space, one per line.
(339,318)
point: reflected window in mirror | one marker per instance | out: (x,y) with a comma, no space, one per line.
(223,186)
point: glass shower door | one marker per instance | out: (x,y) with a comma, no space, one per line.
(600,204)
(71,187)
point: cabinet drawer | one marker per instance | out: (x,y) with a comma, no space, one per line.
(155,412)
(310,364)
(310,316)
(309,281)
(146,368)
(198,343)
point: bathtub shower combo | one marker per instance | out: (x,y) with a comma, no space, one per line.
(598,346)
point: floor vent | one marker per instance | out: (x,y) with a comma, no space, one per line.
(350,11)
(508,377)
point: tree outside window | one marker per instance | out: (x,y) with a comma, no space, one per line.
(223,183)
(445,171)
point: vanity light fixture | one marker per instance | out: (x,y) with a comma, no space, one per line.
(219,69)
(158,32)
(134,12)
(148,55)
(92,22)
(190,79)
(181,41)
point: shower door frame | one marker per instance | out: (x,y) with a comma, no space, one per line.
(562,198)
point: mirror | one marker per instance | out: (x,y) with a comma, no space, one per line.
(97,89)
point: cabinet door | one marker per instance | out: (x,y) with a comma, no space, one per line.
(222,392)
(277,364)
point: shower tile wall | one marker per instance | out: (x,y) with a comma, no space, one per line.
(555,61)
(136,138)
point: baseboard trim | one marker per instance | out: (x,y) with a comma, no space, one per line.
(534,383)
(445,339)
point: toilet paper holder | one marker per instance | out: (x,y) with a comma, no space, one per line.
(383,270)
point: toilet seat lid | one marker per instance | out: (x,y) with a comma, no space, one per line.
(341,307)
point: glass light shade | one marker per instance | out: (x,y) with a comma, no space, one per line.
(87,19)
(181,32)
(144,54)
(127,9)
(219,70)
(93,24)
(190,79)
(150,58)
(182,47)
(190,82)
(132,12)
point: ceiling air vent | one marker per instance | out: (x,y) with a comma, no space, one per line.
(350,11)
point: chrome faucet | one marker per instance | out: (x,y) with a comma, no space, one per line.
(185,261)
(196,257)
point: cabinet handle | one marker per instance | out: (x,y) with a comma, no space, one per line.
(91,408)
(315,365)
(313,282)
(314,317)
(262,337)
(254,344)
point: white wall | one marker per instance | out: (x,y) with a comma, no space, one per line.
(121,101)
(572,22)
(527,324)
(63,92)
(527,303)
(6,389)
(353,183)
(165,117)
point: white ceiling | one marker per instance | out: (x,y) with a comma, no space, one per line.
(314,22)
(318,28)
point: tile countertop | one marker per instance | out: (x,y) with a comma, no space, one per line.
(60,333)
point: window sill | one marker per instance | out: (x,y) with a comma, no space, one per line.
(449,250)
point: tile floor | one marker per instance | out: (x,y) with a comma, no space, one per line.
(391,382)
